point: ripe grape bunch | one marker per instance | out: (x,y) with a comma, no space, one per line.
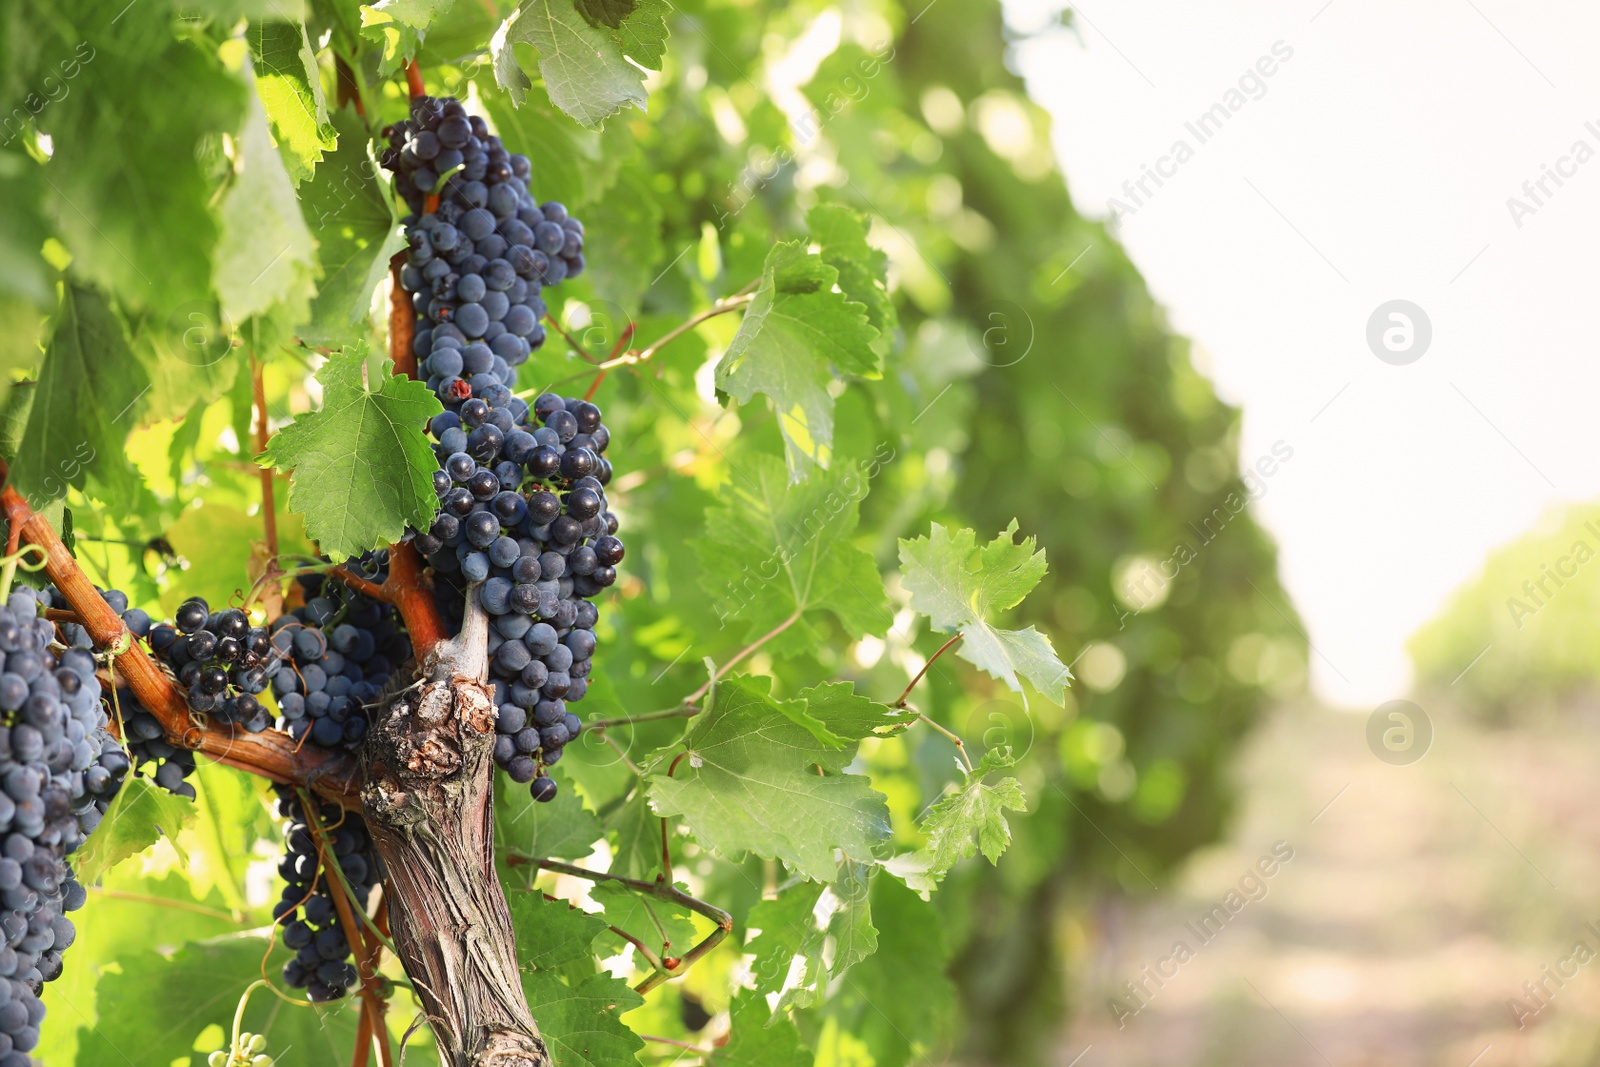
(59,769)
(341,647)
(221,661)
(523,524)
(321,964)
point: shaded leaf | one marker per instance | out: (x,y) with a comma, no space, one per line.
(349,208)
(85,403)
(581,1024)
(551,932)
(797,334)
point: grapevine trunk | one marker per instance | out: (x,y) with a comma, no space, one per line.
(428,801)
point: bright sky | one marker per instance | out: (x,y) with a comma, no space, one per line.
(1376,165)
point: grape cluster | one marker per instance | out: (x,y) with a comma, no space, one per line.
(341,647)
(144,742)
(478,261)
(59,770)
(221,661)
(321,964)
(524,526)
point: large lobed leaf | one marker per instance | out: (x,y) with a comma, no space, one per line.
(774,549)
(960,586)
(797,334)
(751,784)
(363,467)
(584,51)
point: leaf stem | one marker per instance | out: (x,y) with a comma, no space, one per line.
(747,650)
(904,696)
(373,1006)
(675,1043)
(181,905)
(679,712)
(640,355)
(961,748)
(661,889)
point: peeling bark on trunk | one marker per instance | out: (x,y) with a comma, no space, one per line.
(428,802)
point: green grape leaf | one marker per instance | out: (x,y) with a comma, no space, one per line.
(872,1002)
(637,851)
(400,26)
(970,818)
(796,334)
(959,586)
(349,208)
(290,89)
(623,242)
(863,270)
(140,815)
(265,255)
(585,64)
(775,549)
(837,715)
(130,193)
(581,1024)
(790,931)
(85,403)
(155,1005)
(649,919)
(758,1040)
(560,829)
(551,932)
(564,159)
(363,467)
(750,784)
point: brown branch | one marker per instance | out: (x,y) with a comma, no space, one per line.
(402,321)
(271,753)
(414,79)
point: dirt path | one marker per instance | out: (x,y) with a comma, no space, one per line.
(1417,902)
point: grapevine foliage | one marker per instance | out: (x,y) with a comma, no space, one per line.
(322,366)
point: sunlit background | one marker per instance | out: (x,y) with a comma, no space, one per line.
(1374,163)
